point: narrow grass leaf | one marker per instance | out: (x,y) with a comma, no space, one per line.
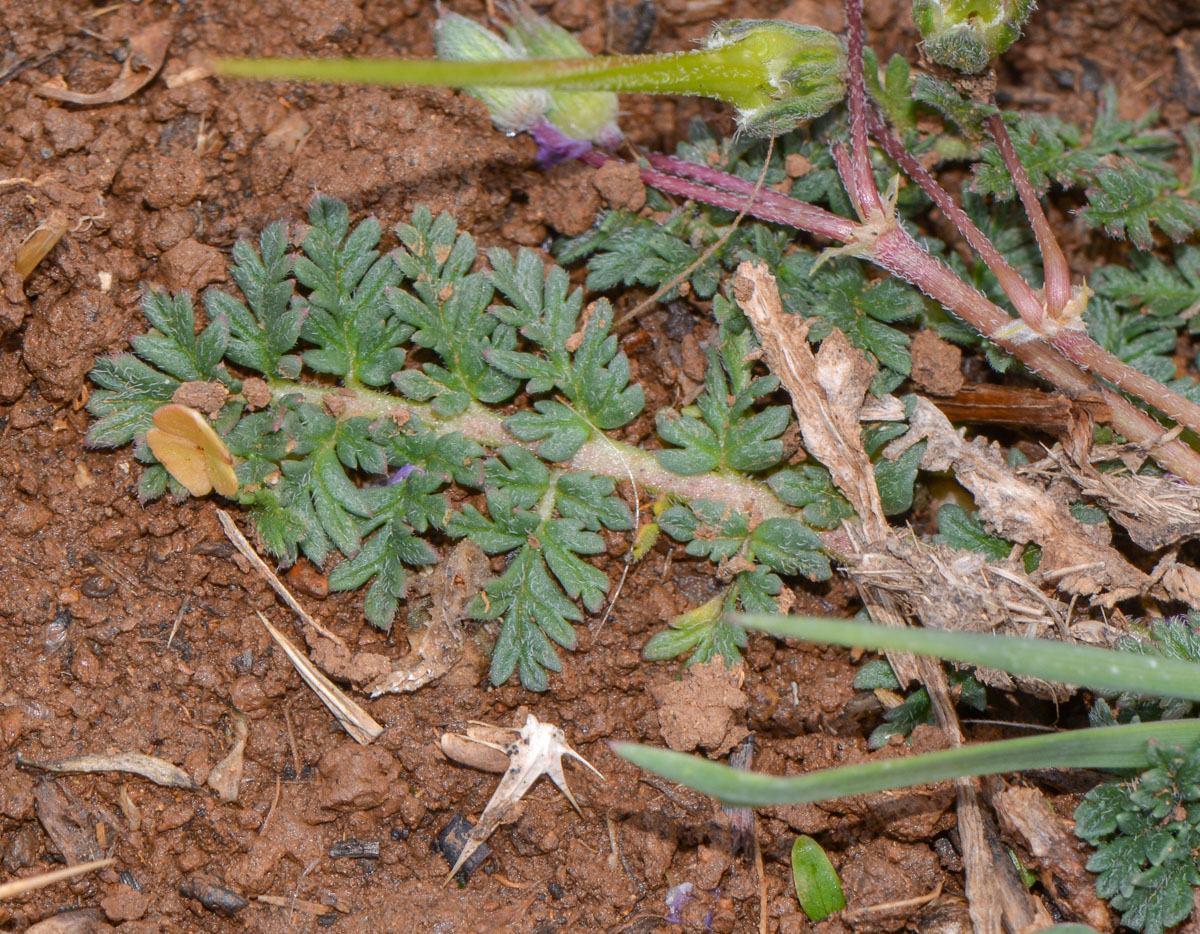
(1090,666)
(1116,747)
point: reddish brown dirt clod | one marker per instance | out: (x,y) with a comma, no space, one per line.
(936,364)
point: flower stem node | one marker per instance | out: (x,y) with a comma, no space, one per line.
(1051,325)
(862,244)
(967,34)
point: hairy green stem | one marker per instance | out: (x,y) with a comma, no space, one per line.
(600,455)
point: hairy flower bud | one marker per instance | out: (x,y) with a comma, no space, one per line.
(799,71)
(967,34)
(459,39)
(582,115)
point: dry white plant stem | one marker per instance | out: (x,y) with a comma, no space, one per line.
(247,551)
(156,770)
(536,748)
(21,886)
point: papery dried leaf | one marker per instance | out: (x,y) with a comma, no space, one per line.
(147,51)
(191,451)
(156,770)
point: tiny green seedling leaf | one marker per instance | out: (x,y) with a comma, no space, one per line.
(817,884)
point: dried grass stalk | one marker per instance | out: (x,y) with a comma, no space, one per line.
(21,886)
(354,720)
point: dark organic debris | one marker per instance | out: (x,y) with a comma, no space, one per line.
(451,842)
(355,849)
(212,894)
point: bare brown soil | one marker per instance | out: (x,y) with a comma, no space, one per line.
(154,190)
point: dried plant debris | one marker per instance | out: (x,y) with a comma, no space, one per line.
(1077,558)
(1156,511)
(828,392)
(156,770)
(145,55)
(37,245)
(453,585)
(247,551)
(21,886)
(226,776)
(536,748)
(354,720)
(1027,817)
(961,590)
(80,830)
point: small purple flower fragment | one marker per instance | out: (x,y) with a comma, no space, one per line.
(403,472)
(554,146)
(676,899)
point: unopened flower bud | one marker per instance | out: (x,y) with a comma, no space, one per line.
(459,39)
(799,70)
(967,34)
(581,115)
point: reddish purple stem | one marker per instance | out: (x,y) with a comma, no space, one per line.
(1014,285)
(1054,264)
(859,179)
(723,190)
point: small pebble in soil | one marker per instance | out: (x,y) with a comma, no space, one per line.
(399,834)
(98,586)
(210,893)
(355,849)
(556,890)
(450,843)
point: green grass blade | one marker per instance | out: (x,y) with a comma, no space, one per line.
(1116,747)
(1090,666)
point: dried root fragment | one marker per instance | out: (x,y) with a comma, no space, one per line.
(961,590)
(147,51)
(1077,558)
(157,770)
(1156,511)
(536,748)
